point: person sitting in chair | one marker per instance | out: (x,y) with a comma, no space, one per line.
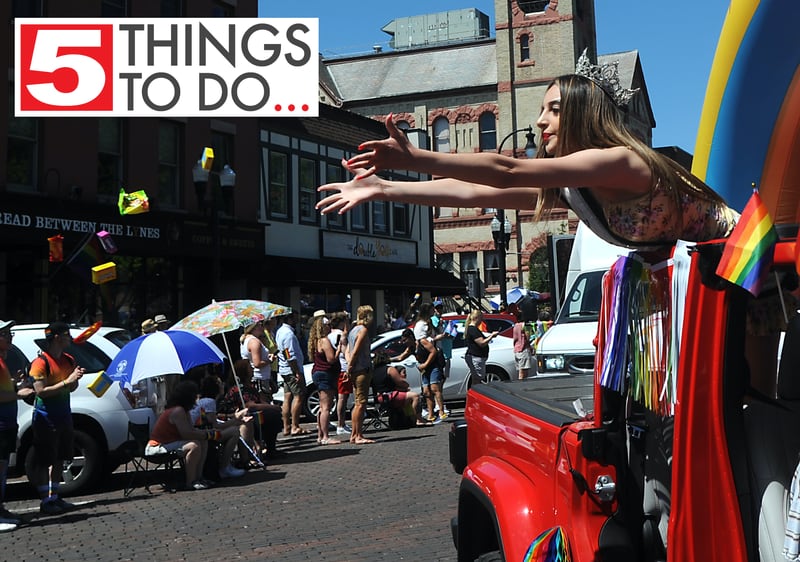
(390,380)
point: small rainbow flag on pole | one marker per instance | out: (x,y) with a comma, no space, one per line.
(749,250)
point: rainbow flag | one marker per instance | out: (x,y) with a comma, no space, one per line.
(749,250)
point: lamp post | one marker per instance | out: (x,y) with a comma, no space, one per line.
(502,238)
(227,181)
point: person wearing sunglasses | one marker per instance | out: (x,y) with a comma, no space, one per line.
(55,375)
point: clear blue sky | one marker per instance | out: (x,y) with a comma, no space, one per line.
(676,44)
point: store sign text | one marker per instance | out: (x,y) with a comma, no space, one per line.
(72,225)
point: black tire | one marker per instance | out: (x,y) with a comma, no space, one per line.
(81,473)
(311,403)
(494,374)
(493,556)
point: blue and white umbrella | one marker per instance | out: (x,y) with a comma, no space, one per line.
(162,353)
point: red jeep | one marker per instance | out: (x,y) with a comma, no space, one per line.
(707,480)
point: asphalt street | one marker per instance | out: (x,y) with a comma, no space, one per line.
(391,500)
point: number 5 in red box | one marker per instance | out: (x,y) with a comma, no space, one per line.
(65,67)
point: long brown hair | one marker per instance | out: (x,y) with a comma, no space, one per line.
(590,119)
(316,333)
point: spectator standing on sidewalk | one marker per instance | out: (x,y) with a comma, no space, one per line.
(325,373)
(55,375)
(477,347)
(253,348)
(522,348)
(290,369)
(161,322)
(338,337)
(359,370)
(9,393)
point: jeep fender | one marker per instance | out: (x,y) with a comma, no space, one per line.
(496,497)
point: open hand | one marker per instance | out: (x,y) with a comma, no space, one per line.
(396,153)
(349,194)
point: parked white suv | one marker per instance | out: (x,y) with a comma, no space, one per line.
(101,423)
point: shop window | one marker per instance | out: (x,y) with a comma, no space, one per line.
(334,173)
(27,8)
(22,150)
(172,9)
(358,218)
(491,268)
(170,141)
(308,181)
(469,264)
(221,9)
(524,48)
(278,185)
(109,157)
(114,8)
(445,262)
(379,219)
(441,135)
(400,220)
(487,124)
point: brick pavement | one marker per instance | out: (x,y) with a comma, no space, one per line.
(389,501)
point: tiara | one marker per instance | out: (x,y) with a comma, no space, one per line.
(607,77)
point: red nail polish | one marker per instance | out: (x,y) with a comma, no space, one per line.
(361,147)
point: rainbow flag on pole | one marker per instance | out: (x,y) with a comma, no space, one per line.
(749,250)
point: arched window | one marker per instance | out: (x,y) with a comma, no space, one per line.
(441,135)
(488,131)
(524,48)
(532,6)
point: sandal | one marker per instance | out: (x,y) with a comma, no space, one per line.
(301,431)
(362,441)
(424,424)
(328,441)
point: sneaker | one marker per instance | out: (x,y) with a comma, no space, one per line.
(198,485)
(443,416)
(344,430)
(66,506)
(436,420)
(231,472)
(7,527)
(425,414)
(8,518)
(50,508)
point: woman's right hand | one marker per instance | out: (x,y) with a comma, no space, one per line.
(349,194)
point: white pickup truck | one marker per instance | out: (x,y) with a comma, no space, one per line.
(101,422)
(568,346)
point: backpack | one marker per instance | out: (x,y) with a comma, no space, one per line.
(401,418)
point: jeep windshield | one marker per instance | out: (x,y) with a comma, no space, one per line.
(583,301)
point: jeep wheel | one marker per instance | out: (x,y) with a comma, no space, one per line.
(79,473)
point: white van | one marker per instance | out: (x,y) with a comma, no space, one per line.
(568,346)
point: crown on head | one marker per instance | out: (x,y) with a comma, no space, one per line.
(607,77)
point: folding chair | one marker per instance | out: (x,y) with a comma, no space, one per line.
(138,436)
(376,414)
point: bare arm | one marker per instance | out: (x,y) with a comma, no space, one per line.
(254,347)
(444,192)
(327,349)
(607,169)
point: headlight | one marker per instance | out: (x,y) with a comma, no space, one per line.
(553,362)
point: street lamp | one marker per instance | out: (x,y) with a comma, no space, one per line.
(501,240)
(227,181)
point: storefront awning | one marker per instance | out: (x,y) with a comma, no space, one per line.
(283,271)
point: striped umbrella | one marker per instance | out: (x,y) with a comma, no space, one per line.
(162,353)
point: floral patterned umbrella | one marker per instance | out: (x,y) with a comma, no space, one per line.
(224,316)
